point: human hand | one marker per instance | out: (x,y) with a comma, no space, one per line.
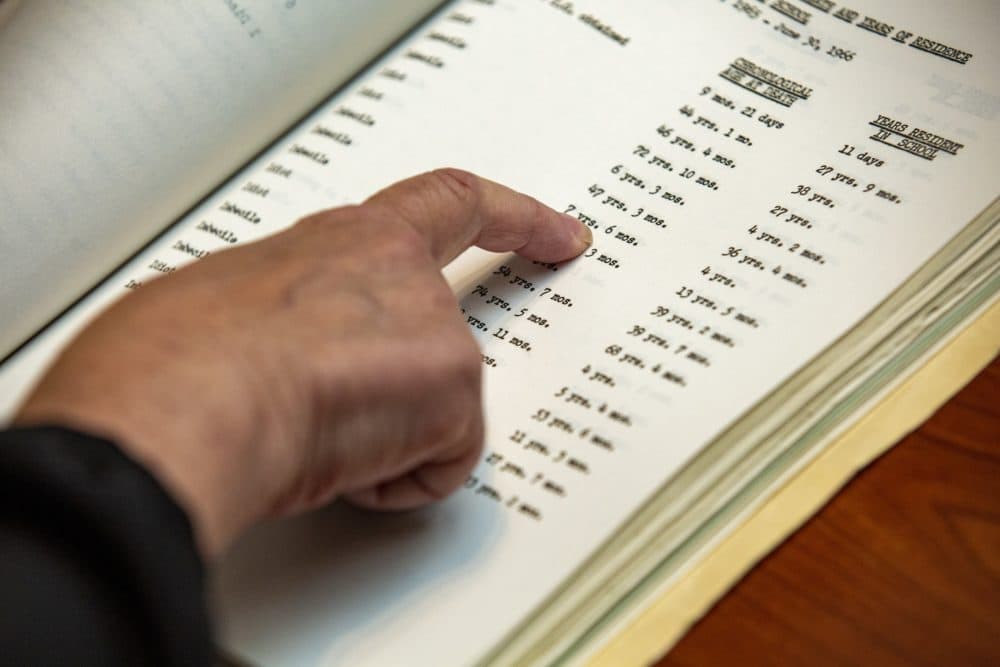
(328,360)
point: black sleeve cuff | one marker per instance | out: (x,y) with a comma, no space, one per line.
(101,561)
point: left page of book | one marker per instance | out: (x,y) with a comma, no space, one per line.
(117,117)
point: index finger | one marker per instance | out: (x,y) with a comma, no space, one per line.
(454,209)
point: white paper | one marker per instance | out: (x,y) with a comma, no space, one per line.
(654,357)
(117,117)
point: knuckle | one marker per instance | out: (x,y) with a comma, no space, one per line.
(462,428)
(437,297)
(449,189)
(518,236)
(475,436)
(325,224)
(399,245)
(457,368)
(458,184)
(450,357)
(538,215)
(467,364)
(458,429)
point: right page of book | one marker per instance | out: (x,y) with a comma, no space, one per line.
(758,176)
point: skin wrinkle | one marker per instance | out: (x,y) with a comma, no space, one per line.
(403,251)
(291,294)
(463,198)
(465,188)
(537,220)
(521,237)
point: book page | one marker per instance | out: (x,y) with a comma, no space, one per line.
(116,118)
(758,177)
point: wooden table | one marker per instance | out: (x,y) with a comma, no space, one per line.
(901,568)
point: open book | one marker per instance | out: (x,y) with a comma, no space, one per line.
(791,201)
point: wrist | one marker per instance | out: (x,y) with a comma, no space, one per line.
(190,462)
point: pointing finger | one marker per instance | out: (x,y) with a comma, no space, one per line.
(454,209)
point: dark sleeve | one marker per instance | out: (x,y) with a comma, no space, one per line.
(98,564)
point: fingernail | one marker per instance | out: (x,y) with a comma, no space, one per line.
(582,231)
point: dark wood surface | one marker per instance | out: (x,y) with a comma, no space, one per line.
(901,568)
